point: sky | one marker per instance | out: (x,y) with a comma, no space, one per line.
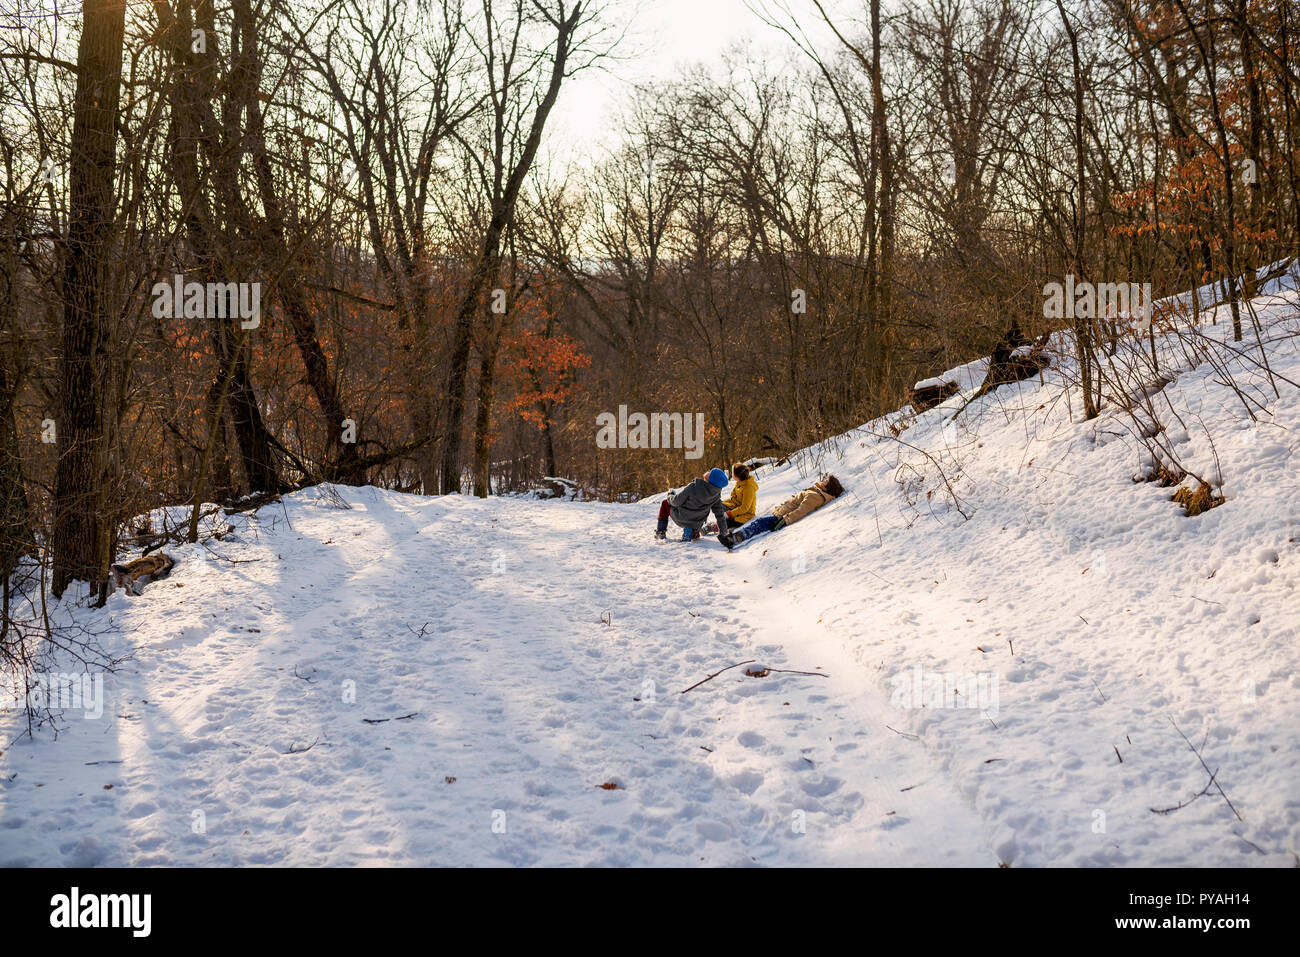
(663,37)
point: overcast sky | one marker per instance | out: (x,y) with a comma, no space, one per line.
(664,36)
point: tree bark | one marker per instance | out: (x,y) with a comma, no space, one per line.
(81,524)
(269,229)
(15,517)
(488,264)
(483,418)
(193,125)
(1082,326)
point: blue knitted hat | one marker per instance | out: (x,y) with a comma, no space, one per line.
(718,478)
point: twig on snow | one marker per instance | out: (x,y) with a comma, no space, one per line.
(1182,804)
(903,733)
(1218,786)
(716,673)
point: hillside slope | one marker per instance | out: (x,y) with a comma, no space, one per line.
(450,681)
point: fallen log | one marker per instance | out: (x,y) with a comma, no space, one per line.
(1014,368)
(929,393)
(1013,360)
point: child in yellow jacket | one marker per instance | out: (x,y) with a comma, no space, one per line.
(742,503)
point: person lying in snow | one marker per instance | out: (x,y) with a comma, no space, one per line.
(742,503)
(788,512)
(691,506)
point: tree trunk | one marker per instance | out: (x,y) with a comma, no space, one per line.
(193,123)
(1254,144)
(15,517)
(548,438)
(81,526)
(269,229)
(488,266)
(1082,326)
(483,419)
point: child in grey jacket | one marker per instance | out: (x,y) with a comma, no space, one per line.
(690,507)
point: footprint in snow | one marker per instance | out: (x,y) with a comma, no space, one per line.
(747,782)
(820,787)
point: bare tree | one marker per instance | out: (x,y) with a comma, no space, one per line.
(81,539)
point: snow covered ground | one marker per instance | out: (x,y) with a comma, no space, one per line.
(433,681)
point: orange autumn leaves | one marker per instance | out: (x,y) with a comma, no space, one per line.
(538,363)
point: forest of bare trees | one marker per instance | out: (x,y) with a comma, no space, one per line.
(388,274)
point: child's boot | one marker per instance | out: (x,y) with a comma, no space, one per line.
(661,526)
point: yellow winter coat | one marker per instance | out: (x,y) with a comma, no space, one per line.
(743,501)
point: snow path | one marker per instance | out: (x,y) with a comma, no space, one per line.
(484,618)
(1116,628)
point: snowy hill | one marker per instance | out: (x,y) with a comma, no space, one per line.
(433,681)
